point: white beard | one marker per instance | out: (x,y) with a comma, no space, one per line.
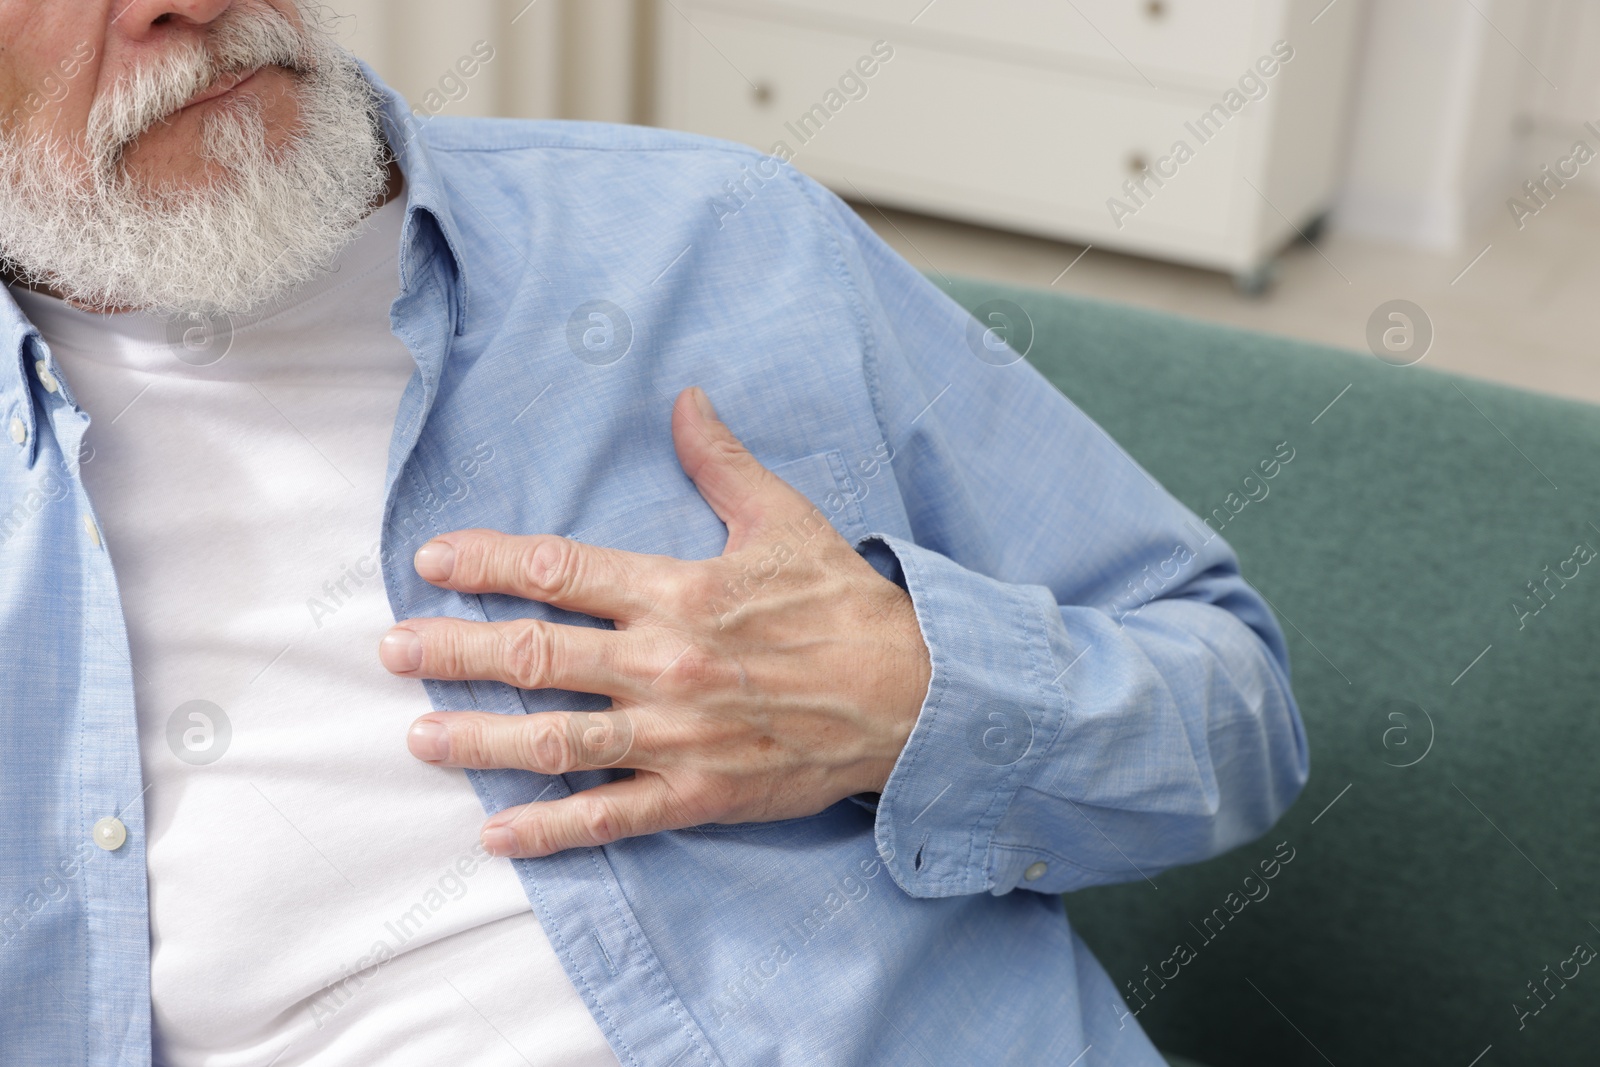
(275,221)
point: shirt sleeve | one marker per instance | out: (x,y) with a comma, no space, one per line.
(1109,698)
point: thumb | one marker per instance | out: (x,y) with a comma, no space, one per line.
(742,492)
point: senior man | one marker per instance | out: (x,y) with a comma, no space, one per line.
(800,650)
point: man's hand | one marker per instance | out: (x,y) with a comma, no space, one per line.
(768,683)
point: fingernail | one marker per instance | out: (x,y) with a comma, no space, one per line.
(435,561)
(401,650)
(429,741)
(703,402)
(499,840)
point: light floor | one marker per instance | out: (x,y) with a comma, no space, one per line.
(1523,314)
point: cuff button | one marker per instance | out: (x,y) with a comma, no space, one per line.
(109,833)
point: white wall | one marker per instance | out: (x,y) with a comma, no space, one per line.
(552,58)
(1460,103)
(1565,43)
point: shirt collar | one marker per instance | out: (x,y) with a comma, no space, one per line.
(430,228)
(17,341)
(428,199)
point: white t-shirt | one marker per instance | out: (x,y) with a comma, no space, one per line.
(316,893)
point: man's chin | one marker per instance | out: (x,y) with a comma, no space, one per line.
(225,208)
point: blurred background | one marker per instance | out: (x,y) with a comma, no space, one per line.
(1294,167)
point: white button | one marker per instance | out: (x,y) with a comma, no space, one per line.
(19,432)
(46,379)
(92,530)
(109,833)
(1036,871)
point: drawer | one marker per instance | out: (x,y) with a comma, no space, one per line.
(981,138)
(1199,42)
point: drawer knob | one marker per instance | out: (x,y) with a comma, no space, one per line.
(1156,9)
(1137,163)
(762,93)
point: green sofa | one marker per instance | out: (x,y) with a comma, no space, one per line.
(1444,889)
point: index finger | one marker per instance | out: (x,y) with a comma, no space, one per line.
(606,583)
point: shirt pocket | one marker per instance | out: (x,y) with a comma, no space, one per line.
(824,479)
(683,526)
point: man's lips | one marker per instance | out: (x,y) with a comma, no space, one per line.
(226,84)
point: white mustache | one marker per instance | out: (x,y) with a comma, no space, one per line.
(243,41)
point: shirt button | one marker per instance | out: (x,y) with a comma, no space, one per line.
(109,833)
(1036,871)
(46,379)
(19,432)
(92,530)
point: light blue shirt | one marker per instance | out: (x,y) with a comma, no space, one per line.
(1108,697)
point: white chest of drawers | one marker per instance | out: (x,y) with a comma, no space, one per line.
(1202,131)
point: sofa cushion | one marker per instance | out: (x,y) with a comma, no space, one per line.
(1443,867)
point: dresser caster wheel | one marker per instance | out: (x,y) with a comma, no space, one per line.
(1257,280)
